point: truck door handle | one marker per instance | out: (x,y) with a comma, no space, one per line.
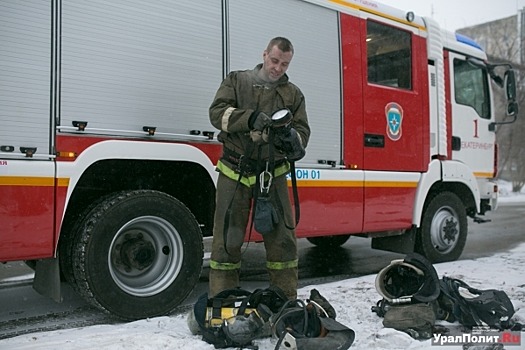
(372,140)
(456,143)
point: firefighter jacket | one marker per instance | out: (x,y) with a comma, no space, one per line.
(242,93)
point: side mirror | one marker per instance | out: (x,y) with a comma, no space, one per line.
(510,85)
(510,90)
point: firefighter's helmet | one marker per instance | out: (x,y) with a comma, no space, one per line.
(412,279)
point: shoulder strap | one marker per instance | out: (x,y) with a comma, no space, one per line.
(450,288)
(273,297)
(488,306)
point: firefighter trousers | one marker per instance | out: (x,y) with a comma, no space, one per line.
(280,244)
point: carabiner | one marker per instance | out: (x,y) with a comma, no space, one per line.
(265,179)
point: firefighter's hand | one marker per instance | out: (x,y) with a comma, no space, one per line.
(260,137)
(259,121)
(288,141)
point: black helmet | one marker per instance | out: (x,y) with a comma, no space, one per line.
(412,279)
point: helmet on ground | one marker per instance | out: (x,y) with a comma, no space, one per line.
(412,279)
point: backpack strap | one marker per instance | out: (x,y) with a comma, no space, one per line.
(273,297)
(450,288)
(488,306)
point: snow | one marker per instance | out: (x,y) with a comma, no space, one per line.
(507,196)
(351,298)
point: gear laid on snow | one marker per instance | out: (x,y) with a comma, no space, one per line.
(414,298)
(236,317)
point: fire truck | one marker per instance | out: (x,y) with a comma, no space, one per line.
(107,154)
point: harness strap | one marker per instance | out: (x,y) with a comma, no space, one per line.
(242,169)
(295,194)
(245,168)
(216,309)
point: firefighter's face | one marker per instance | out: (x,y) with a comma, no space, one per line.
(275,63)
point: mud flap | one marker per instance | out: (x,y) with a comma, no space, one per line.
(403,243)
(47,279)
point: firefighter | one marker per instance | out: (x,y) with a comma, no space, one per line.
(242,110)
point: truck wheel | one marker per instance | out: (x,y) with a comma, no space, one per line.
(443,232)
(138,254)
(328,241)
(66,250)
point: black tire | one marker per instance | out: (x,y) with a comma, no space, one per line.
(328,242)
(443,232)
(66,248)
(65,257)
(138,254)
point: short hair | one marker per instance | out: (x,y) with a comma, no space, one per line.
(283,44)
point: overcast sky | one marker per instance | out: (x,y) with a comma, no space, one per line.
(456,14)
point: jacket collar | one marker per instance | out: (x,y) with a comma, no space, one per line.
(283,80)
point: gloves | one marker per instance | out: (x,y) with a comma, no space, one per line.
(259,121)
(288,141)
(259,137)
(259,124)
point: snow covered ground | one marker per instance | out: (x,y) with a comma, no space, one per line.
(351,298)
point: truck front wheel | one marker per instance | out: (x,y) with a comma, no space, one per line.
(443,232)
(137,254)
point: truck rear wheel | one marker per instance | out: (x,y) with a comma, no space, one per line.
(137,254)
(443,232)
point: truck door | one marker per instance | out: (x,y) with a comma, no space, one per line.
(395,120)
(27,175)
(472,141)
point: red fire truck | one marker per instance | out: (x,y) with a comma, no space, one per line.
(107,155)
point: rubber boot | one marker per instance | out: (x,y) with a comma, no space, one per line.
(221,280)
(286,279)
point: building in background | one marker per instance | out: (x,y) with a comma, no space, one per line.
(502,39)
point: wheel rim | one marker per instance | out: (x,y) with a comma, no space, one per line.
(145,256)
(444,230)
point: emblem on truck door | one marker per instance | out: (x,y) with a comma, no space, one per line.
(394,118)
